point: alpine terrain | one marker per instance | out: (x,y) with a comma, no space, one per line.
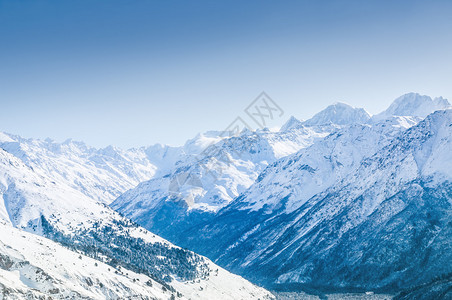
(344,201)
(362,203)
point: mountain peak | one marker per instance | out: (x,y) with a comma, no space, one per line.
(415,105)
(291,123)
(442,102)
(339,113)
(4,137)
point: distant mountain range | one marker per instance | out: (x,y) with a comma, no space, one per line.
(344,201)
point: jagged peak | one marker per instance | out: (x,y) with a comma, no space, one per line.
(69,141)
(441,101)
(415,105)
(5,137)
(339,113)
(291,124)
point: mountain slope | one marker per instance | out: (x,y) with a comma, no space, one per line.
(33,267)
(439,288)
(313,169)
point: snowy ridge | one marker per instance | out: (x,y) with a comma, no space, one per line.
(101,174)
(292,123)
(414,105)
(340,114)
(313,169)
(224,174)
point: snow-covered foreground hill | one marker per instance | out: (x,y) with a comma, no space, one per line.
(31,202)
(34,267)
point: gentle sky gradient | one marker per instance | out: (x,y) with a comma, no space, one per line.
(132,73)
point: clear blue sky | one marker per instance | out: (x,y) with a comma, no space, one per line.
(133,73)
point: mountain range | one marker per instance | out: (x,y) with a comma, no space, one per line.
(344,201)
(348,211)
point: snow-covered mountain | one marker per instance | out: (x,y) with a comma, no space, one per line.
(314,169)
(34,203)
(340,114)
(320,217)
(101,174)
(414,105)
(368,207)
(201,185)
(292,123)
